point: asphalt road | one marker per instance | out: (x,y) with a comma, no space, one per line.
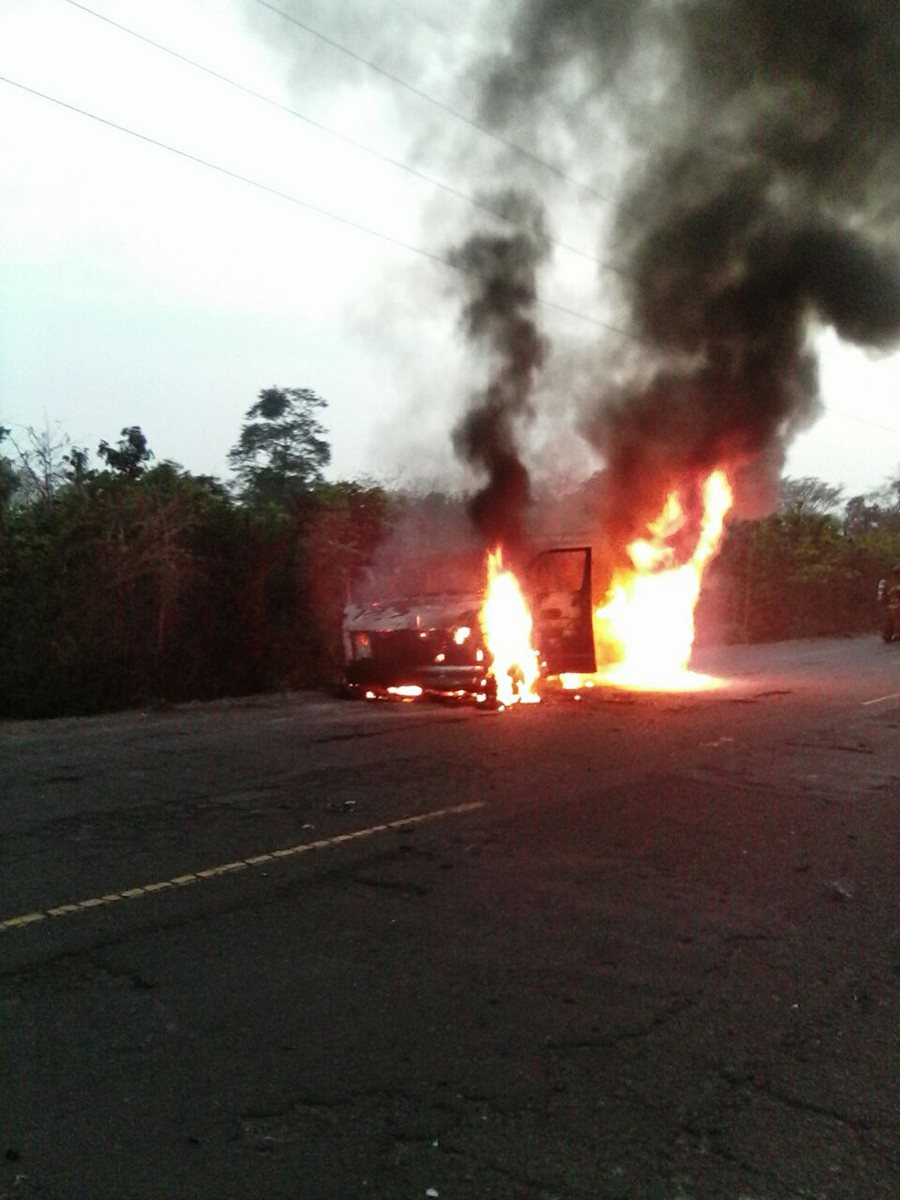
(635,947)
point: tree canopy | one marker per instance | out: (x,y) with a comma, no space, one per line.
(807,494)
(9,479)
(282,451)
(128,580)
(125,580)
(129,458)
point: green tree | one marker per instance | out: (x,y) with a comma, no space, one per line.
(341,535)
(132,582)
(39,463)
(807,495)
(129,459)
(282,451)
(9,479)
(77,471)
(862,515)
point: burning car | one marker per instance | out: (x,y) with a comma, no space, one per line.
(502,640)
(433,644)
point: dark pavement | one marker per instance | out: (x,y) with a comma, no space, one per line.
(659,960)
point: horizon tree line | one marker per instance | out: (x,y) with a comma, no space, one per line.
(134,581)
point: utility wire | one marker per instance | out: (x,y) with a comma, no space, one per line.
(436,26)
(453,112)
(322,212)
(558,110)
(474,201)
(834,412)
(359,227)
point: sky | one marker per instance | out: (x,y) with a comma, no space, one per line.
(139,286)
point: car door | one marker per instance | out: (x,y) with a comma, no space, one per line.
(558,582)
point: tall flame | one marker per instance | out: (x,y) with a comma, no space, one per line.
(647,624)
(507,626)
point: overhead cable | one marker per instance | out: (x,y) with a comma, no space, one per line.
(447,108)
(834,412)
(474,201)
(291,199)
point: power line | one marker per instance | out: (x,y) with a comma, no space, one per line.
(430,23)
(291,199)
(431,256)
(356,225)
(834,412)
(556,109)
(357,145)
(453,112)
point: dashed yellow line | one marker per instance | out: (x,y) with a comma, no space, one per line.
(881,699)
(242,864)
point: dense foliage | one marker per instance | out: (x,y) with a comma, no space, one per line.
(809,570)
(137,582)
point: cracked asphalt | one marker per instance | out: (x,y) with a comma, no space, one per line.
(659,961)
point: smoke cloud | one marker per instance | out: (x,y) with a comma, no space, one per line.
(761,199)
(500,275)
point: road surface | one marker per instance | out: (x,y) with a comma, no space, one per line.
(631,946)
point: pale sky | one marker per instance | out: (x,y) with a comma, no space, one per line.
(138,287)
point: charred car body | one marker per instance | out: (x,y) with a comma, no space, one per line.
(430,643)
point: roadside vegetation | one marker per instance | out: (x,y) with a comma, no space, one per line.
(811,569)
(126,581)
(135,581)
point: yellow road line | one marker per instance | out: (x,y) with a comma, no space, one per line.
(881,699)
(181,881)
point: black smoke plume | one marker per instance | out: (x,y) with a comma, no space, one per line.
(763,199)
(500,274)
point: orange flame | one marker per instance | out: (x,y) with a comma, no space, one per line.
(647,624)
(507,626)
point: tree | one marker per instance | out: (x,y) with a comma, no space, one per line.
(341,537)
(282,449)
(38,468)
(807,495)
(9,479)
(129,459)
(78,473)
(863,515)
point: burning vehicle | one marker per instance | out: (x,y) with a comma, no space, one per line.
(503,642)
(758,208)
(450,644)
(413,645)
